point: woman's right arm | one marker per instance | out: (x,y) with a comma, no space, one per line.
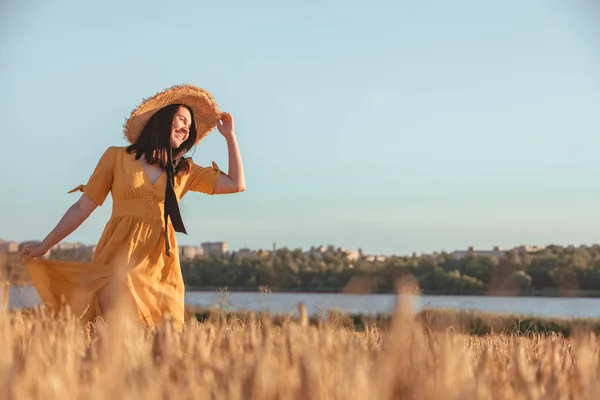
(94,194)
(73,218)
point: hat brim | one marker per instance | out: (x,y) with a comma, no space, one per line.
(205,109)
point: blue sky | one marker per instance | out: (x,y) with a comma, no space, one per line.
(390,126)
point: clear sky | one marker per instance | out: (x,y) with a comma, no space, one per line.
(390,126)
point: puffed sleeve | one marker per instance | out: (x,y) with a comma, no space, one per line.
(100,182)
(202,179)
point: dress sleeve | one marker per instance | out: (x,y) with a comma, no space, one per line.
(100,182)
(202,179)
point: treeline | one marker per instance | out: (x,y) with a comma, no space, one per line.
(553,270)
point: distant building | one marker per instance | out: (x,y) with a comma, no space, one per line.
(244,253)
(351,254)
(214,248)
(319,251)
(89,250)
(316,252)
(72,251)
(472,251)
(9,247)
(189,252)
(497,251)
(68,246)
(529,249)
(375,258)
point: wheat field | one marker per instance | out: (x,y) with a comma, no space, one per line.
(227,358)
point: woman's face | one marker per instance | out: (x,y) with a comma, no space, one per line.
(180,129)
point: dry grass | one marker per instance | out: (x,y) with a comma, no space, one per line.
(54,358)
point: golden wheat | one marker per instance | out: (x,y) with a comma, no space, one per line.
(226,358)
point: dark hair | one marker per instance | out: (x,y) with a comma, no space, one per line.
(154,141)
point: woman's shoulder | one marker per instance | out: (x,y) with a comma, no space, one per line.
(112,154)
(118,149)
(115,151)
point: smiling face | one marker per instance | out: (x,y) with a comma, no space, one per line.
(180,128)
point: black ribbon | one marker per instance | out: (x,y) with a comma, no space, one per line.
(171,204)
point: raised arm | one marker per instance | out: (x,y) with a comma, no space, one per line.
(73,218)
(234,181)
(94,193)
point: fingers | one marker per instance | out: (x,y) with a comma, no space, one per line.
(225,122)
(24,256)
(28,253)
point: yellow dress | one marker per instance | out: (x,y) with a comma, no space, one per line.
(132,246)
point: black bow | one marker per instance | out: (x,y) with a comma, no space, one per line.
(171,204)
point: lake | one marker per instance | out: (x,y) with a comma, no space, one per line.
(317,303)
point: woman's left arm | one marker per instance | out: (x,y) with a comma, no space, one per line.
(233,181)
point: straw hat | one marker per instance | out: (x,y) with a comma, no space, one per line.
(206,111)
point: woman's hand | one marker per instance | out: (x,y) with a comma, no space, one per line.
(32,251)
(233,181)
(74,217)
(225,125)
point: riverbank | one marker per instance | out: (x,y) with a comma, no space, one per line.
(461,322)
(551,292)
(466,322)
(543,293)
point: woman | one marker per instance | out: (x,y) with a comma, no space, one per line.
(136,261)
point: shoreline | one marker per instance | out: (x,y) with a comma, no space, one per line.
(553,293)
(473,323)
(546,293)
(470,323)
(467,322)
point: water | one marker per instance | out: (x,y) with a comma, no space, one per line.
(368,304)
